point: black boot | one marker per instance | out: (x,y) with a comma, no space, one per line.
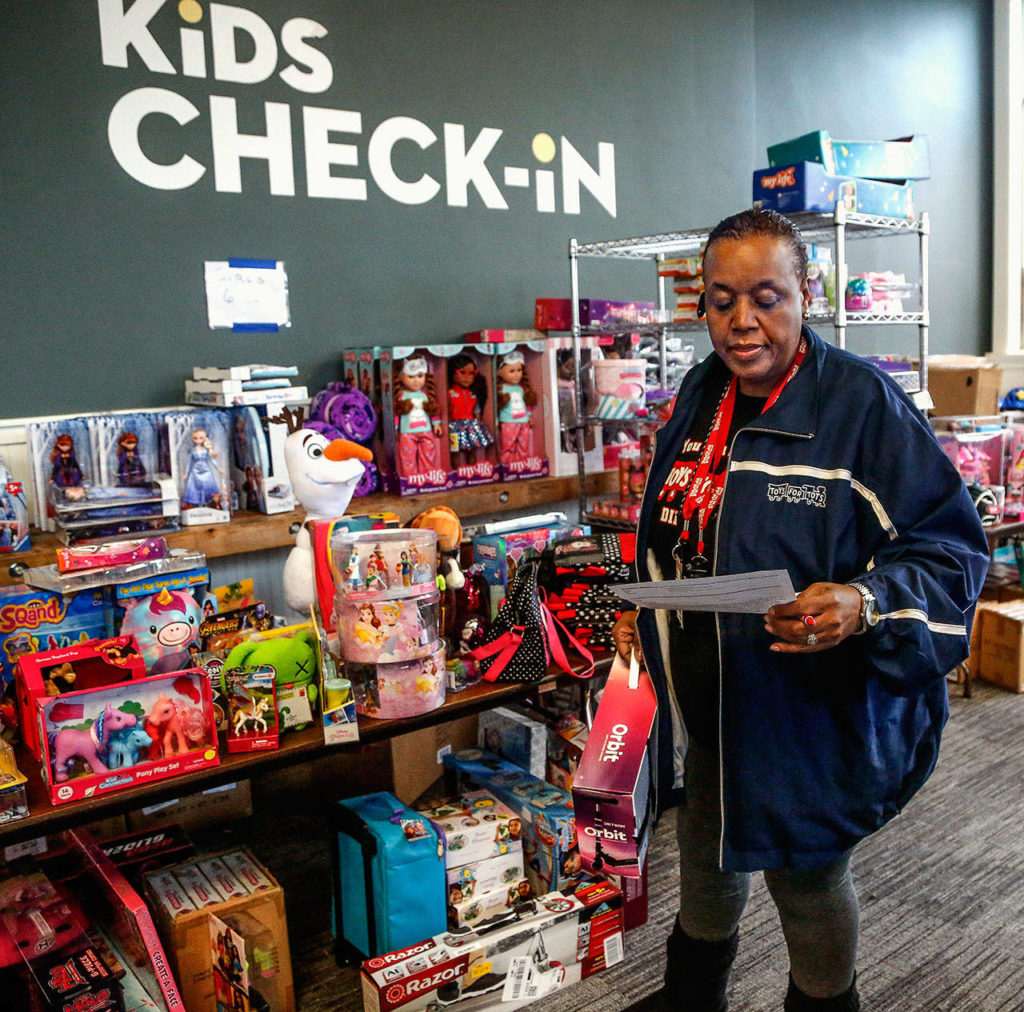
(696,974)
(797,1001)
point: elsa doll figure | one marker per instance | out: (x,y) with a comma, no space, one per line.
(201,483)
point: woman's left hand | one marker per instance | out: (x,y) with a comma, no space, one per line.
(821,616)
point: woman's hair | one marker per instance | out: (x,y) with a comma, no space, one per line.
(757,222)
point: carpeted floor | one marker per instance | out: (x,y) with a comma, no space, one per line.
(941,889)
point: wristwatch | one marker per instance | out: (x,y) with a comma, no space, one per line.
(868,609)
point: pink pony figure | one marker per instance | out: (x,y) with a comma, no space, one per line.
(164,625)
(165,729)
(70,742)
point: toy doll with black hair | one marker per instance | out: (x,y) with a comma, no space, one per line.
(467,397)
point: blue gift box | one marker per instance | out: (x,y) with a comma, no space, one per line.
(806,186)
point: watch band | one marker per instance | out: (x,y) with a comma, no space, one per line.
(866,599)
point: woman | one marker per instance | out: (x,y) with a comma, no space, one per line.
(789,737)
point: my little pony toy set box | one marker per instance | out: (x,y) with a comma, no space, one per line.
(90,665)
(101,740)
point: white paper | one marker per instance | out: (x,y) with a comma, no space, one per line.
(247,294)
(749,593)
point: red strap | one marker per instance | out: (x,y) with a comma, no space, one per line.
(558,637)
(504,647)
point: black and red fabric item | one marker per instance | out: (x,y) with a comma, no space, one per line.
(525,638)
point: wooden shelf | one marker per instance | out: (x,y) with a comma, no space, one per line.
(255,532)
(296,747)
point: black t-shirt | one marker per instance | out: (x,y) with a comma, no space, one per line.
(693,645)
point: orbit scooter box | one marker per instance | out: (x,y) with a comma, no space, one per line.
(612,787)
(518,957)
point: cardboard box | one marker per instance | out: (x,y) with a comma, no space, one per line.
(550,849)
(806,186)
(201,810)
(963,385)
(1002,644)
(898,159)
(127,920)
(514,737)
(546,945)
(416,756)
(476,827)
(612,787)
(258,916)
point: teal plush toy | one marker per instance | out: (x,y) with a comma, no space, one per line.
(294,660)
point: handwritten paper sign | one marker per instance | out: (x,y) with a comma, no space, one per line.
(247,295)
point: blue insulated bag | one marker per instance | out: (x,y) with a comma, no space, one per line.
(388,879)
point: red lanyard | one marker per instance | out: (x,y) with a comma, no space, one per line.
(708,482)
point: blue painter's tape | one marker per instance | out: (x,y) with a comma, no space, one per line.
(265,265)
(255,328)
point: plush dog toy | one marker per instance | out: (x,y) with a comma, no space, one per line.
(293,659)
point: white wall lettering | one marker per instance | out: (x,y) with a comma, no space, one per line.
(248,51)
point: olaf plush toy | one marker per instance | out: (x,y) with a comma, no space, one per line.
(324,474)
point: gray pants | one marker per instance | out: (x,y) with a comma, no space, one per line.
(817,907)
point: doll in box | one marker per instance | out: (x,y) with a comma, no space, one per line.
(417,419)
(202,487)
(516,401)
(130,468)
(65,472)
(467,397)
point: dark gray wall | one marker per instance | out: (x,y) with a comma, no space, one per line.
(103,299)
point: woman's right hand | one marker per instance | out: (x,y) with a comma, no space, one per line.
(626,639)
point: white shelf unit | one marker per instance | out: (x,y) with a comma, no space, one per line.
(837,228)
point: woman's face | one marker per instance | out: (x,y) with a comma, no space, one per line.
(755,305)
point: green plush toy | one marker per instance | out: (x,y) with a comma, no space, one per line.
(293,659)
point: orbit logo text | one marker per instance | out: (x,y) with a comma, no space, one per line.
(346,156)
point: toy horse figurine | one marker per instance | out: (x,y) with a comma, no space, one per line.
(128,747)
(70,742)
(165,729)
(250,711)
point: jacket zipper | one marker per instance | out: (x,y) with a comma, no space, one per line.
(718,637)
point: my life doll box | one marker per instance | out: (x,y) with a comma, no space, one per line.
(612,787)
(102,740)
(561,421)
(415,420)
(517,382)
(471,416)
(90,665)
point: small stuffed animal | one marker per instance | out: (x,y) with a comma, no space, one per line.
(323,475)
(294,660)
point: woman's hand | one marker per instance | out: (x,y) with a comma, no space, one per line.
(626,639)
(821,616)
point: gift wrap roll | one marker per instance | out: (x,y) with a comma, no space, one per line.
(405,689)
(382,630)
(397,563)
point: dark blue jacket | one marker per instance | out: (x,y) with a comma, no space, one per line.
(841,479)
